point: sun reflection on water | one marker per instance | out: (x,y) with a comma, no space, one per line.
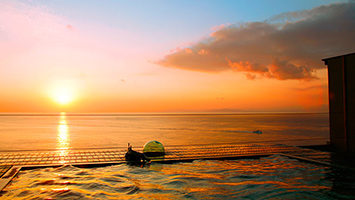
(63,138)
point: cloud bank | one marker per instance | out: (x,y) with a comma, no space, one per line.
(287,46)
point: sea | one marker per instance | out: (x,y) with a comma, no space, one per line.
(75,131)
(274,177)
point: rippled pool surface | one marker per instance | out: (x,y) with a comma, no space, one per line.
(274,177)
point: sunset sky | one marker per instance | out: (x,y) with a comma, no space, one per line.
(170,56)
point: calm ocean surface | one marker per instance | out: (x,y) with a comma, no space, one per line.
(72,131)
(274,177)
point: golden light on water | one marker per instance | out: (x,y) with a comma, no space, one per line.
(63,132)
(63,137)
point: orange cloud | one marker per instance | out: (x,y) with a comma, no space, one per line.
(282,70)
(276,48)
(190,59)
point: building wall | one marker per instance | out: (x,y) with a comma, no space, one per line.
(341,78)
(350,100)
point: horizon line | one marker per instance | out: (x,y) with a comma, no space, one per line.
(153,113)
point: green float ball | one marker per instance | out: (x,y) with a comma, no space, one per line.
(153,148)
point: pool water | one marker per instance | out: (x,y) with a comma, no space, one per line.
(273,177)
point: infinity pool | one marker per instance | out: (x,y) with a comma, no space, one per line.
(274,177)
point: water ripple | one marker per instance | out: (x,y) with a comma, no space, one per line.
(274,177)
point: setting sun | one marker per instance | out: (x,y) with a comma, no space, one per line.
(63,96)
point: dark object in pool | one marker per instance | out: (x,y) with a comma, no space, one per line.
(135,156)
